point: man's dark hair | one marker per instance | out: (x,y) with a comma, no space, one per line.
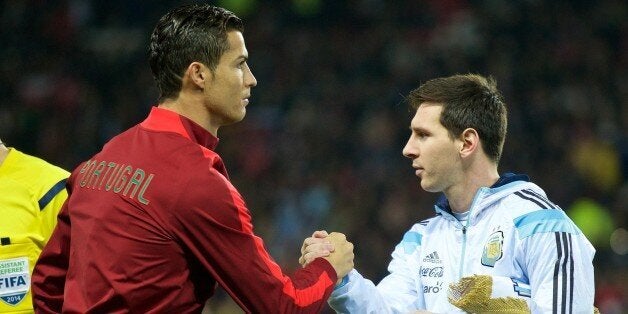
(196,32)
(469,101)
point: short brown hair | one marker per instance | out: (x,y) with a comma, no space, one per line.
(469,101)
(195,32)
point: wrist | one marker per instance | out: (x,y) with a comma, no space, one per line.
(342,282)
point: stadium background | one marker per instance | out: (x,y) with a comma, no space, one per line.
(321,144)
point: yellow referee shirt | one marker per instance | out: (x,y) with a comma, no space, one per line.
(31,194)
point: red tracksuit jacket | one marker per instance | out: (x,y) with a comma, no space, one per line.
(152,223)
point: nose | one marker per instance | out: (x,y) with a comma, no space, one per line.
(410,151)
(249,79)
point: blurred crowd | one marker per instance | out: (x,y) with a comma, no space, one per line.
(320,147)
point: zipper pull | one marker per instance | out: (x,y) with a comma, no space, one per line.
(464,230)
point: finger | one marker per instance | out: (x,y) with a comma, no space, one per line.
(320,234)
(309,257)
(305,244)
(302,261)
(318,247)
(314,250)
(310,241)
(314,241)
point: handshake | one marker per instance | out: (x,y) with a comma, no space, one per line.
(333,247)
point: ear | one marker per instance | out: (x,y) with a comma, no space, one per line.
(470,140)
(198,74)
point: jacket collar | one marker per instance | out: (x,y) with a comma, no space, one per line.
(160,119)
(504,179)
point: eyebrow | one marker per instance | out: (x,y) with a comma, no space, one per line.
(418,129)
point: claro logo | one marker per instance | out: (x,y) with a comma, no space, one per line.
(434,272)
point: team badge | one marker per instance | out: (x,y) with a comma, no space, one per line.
(493,249)
(14,280)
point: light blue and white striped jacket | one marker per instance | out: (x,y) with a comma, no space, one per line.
(513,233)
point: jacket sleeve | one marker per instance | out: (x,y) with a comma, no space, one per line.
(217,229)
(396,293)
(557,259)
(48,279)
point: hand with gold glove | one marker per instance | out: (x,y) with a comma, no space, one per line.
(491,294)
(487,294)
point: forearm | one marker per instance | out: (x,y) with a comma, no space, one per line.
(306,291)
(360,295)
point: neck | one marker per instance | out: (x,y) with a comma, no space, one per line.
(192,109)
(460,196)
(4,152)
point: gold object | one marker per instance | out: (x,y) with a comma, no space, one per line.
(473,295)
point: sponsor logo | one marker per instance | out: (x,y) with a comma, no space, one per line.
(433,289)
(433,258)
(493,249)
(434,272)
(14,280)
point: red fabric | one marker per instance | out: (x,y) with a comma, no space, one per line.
(127,243)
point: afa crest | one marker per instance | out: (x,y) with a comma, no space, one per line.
(493,249)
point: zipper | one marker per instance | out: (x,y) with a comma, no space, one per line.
(478,196)
(464,248)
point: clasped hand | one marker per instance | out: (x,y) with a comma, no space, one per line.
(333,247)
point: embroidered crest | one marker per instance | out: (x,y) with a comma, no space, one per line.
(493,249)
